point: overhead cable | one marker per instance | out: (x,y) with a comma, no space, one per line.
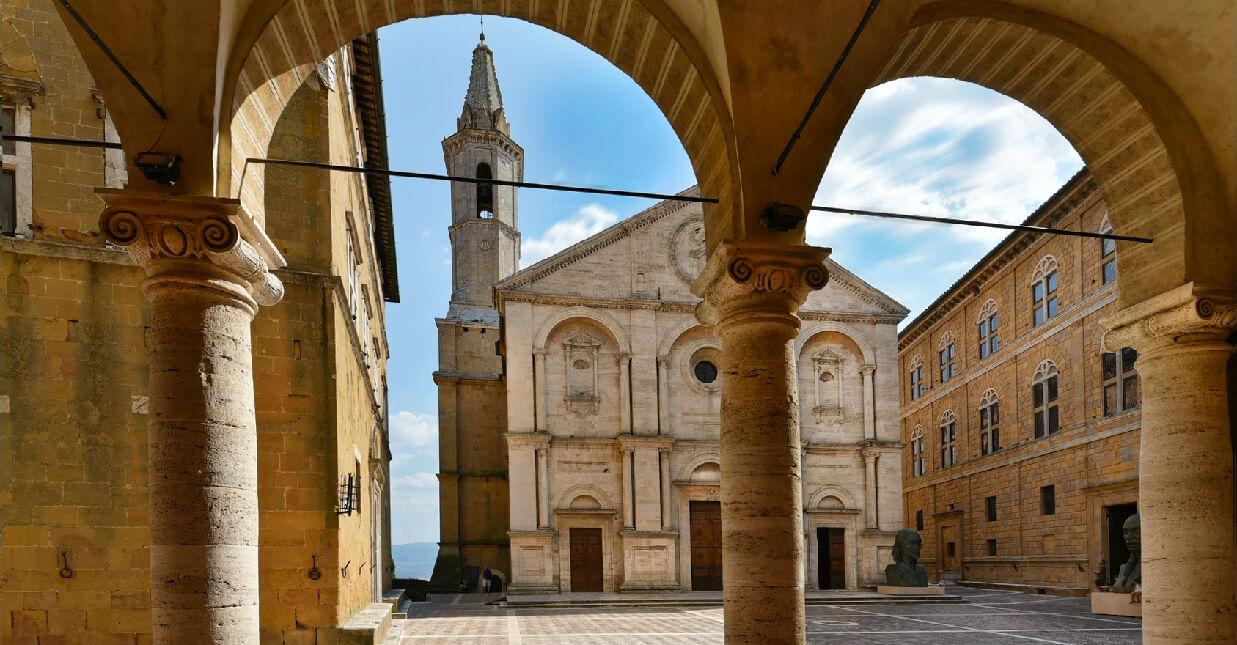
(968,222)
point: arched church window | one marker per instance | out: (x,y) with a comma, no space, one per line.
(989,329)
(948,351)
(916,372)
(949,434)
(485,192)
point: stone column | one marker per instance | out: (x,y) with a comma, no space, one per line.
(543,469)
(663,395)
(539,393)
(751,292)
(1185,469)
(870,455)
(629,504)
(869,402)
(208,269)
(663,455)
(624,367)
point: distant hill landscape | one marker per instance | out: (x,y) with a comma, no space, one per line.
(414,560)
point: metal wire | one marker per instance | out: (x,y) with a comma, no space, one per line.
(605,191)
(967,222)
(824,87)
(107,51)
(473,180)
(77,143)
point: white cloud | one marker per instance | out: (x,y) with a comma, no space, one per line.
(589,220)
(412,430)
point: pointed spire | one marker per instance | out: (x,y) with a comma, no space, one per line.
(483,105)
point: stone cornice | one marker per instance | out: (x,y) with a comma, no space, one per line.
(635,441)
(1190,313)
(533,440)
(504,296)
(861,289)
(745,280)
(441,377)
(67,250)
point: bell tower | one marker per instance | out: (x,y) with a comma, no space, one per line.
(485,237)
(472,393)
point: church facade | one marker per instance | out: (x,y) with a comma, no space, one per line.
(610,392)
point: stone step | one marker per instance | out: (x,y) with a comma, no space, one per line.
(369,626)
(674,600)
(1027,587)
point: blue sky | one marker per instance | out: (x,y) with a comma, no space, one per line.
(921,145)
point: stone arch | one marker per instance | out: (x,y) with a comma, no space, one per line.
(947,339)
(990,396)
(1144,149)
(1045,369)
(987,310)
(643,39)
(583,490)
(816,328)
(668,342)
(1046,265)
(688,467)
(818,497)
(595,315)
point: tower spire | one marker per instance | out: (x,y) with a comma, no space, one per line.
(483,104)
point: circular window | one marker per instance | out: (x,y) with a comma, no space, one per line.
(705,371)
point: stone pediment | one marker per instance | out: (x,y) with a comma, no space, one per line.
(656,255)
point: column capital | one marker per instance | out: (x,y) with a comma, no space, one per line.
(867,370)
(755,279)
(870,453)
(195,240)
(540,352)
(663,361)
(1187,314)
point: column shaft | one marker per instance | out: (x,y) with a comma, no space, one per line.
(543,467)
(539,393)
(869,403)
(624,364)
(869,490)
(203,467)
(666,513)
(1186,496)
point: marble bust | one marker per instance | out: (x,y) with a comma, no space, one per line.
(1130,576)
(905,571)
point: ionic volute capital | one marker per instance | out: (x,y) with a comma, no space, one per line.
(1185,315)
(203,238)
(744,279)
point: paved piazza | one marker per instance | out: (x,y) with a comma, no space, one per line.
(991,617)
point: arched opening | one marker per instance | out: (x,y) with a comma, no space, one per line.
(485,192)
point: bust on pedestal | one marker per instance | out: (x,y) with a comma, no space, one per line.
(905,576)
(1124,597)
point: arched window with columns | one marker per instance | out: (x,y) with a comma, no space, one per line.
(1044,297)
(949,435)
(918,459)
(1108,254)
(916,376)
(989,423)
(948,351)
(989,332)
(1044,404)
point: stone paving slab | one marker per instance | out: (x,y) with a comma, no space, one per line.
(992,617)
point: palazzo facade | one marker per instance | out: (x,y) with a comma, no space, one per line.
(1020,420)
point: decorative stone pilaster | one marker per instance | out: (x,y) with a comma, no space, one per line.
(870,454)
(629,502)
(539,391)
(751,293)
(528,470)
(1185,462)
(663,463)
(869,401)
(208,268)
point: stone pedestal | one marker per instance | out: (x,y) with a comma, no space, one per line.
(208,270)
(1185,465)
(751,293)
(534,562)
(1114,604)
(648,560)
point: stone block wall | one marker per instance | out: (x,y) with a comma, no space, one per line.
(1090,457)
